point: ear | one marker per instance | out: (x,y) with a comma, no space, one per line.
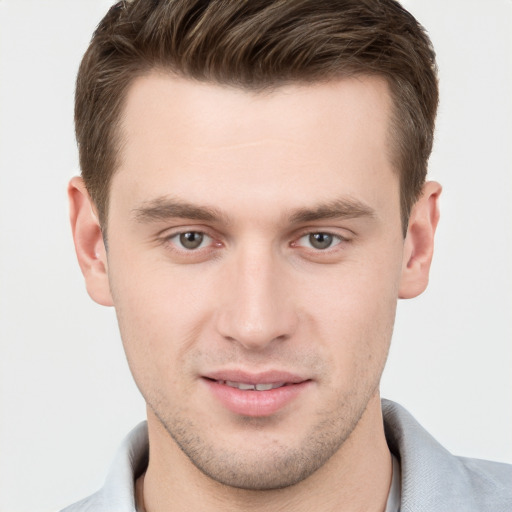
(89,245)
(419,242)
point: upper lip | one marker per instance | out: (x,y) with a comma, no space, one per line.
(266,377)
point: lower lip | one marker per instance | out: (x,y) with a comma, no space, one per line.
(255,403)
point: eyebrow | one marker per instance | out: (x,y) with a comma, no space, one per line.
(346,208)
(165,208)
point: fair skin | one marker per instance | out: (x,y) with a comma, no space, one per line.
(290,274)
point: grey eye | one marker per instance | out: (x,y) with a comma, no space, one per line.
(320,240)
(191,239)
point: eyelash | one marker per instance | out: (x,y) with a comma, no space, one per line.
(176,236)
(336,240)
(173,240)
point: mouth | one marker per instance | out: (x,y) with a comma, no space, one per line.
(256,395)
(245,386)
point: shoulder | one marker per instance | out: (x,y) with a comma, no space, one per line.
(488,478)
(435,480)
(477,485)
(93,503)
(118,493)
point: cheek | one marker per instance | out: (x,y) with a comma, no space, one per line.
(354,315)
(357,293)
(160,313)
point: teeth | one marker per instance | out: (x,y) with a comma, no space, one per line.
(243,386)
(266,387)
(253,387)
(240,385)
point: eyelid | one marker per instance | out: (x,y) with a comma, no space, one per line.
(339,239)
(206,240)
(340,242)
(167,235)
(347,235)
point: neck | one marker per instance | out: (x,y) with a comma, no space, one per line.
(356,478)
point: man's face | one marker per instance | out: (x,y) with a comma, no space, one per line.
(255,239)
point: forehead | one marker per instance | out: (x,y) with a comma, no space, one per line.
(161,102)
(209,142)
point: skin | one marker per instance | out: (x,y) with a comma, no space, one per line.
(256,174)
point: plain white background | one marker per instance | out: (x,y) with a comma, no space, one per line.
(66,396)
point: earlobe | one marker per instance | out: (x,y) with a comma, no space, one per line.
(419,242)
(89,244)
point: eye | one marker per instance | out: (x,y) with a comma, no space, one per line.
(319,241)
(191,240)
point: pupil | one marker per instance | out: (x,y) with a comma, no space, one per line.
(191,240)
(320,240)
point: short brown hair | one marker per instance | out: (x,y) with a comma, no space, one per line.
(257,44)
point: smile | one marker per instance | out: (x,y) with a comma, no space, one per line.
(252,387)
(256,395)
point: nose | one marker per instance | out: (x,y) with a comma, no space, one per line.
(256,307)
